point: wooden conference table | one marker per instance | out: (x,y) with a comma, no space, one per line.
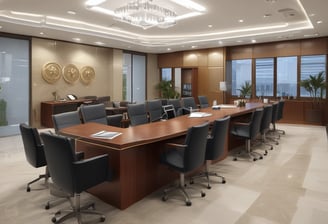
(134,155)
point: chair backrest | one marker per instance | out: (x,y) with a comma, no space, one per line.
(137,114)
(104,99)
(60,157)
(203,101)
(266,119)
(281,105)
(256,123)
(274,113)
(169,111)
(216,141)
(194,154)
(94,113)
(115,120)
(33,147)
(188,102)
(176,104)
(154,108)
(66,119)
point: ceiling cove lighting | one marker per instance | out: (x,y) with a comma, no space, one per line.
(145,14)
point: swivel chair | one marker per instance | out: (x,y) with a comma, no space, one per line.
(248,131)
(280,112)
(66,119)
(187,104)
(94,113)
(34,151)
(214,148)
(186,157)
(137,114)
(155,111)
(177,106)
(203,102)
(73,176)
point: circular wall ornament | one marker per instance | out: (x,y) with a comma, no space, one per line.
(87,74)
(71,73)
(51,72)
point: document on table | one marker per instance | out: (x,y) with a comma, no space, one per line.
(199,114)
(106,134)
(224,106)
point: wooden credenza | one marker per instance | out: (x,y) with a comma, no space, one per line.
(48,108)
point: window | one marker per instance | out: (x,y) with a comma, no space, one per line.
(311,65)
(286,76)
(134,77)
(166,74)
(241,72)
(264,68)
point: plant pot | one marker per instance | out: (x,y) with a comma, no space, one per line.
(3,112)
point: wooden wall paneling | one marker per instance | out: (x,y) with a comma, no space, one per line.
(170,60)
(190,59)
(240,52)
(314,46)
(290,48)
(264,50)
(215,74)
(203,81)
(216,57)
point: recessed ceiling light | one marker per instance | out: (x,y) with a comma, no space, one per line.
(267,15)
(76,39)
(0,27)
(241,21)
(253,41)
(71,12)
(41,33)
(312,14)
(239,41)
(210,26)
(320,21)
(168,49)
(193,46)
(220,42)
(99,43)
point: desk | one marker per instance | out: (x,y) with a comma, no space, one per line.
(134,155)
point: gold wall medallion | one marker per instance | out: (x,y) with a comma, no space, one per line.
(87,74)
(71,73)
(51,72)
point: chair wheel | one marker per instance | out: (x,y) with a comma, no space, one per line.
(188,203)
(191,182)
(277,143)
(235,159)
(102,219)
(209,187)
(164,198)
(254,159)
(203,194)
(271,148)
(47,206)
(28,189)
(261,157)
(54,220)
(223,181)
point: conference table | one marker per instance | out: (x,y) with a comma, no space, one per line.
(134,155)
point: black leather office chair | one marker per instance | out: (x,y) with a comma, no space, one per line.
(280,113)
(155,111)
(94,113)
(104,100)
(34,151)
(203,102)
(168,112)
(115,120)
(177,106)
(248,131)
(73,176)
(273,133)
(215,148)
(187,104)
(66,119)
(186,157)
(137,114)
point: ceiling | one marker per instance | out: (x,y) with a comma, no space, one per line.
(219,25)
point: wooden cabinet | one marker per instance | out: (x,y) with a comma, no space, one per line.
(48,108)
(189,82)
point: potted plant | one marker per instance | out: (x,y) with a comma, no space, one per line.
(316,86)
(245,90)
(167,90)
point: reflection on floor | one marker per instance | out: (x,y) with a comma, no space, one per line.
(287,186)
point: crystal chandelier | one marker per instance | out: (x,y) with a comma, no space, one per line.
(145,14)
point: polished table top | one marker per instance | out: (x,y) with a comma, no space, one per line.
(150,132)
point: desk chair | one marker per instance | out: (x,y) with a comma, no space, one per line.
(73,176)
(169,112)
(177,106)
(187,104)
(280,113)
(94,113)
(214,148)
(104,99)
(248,131)
(137,114)
(155,111)
(34,151)
(66,119)
(186,157)
(203,102)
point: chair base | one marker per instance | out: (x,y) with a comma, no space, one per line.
(248,153)
(77,211)
(182,187)
(41,176)
(207,174)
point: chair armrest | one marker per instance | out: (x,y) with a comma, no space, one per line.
(241,123)
(176,145)
(79,156)
(92,171)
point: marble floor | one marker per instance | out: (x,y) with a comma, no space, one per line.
(289,186)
